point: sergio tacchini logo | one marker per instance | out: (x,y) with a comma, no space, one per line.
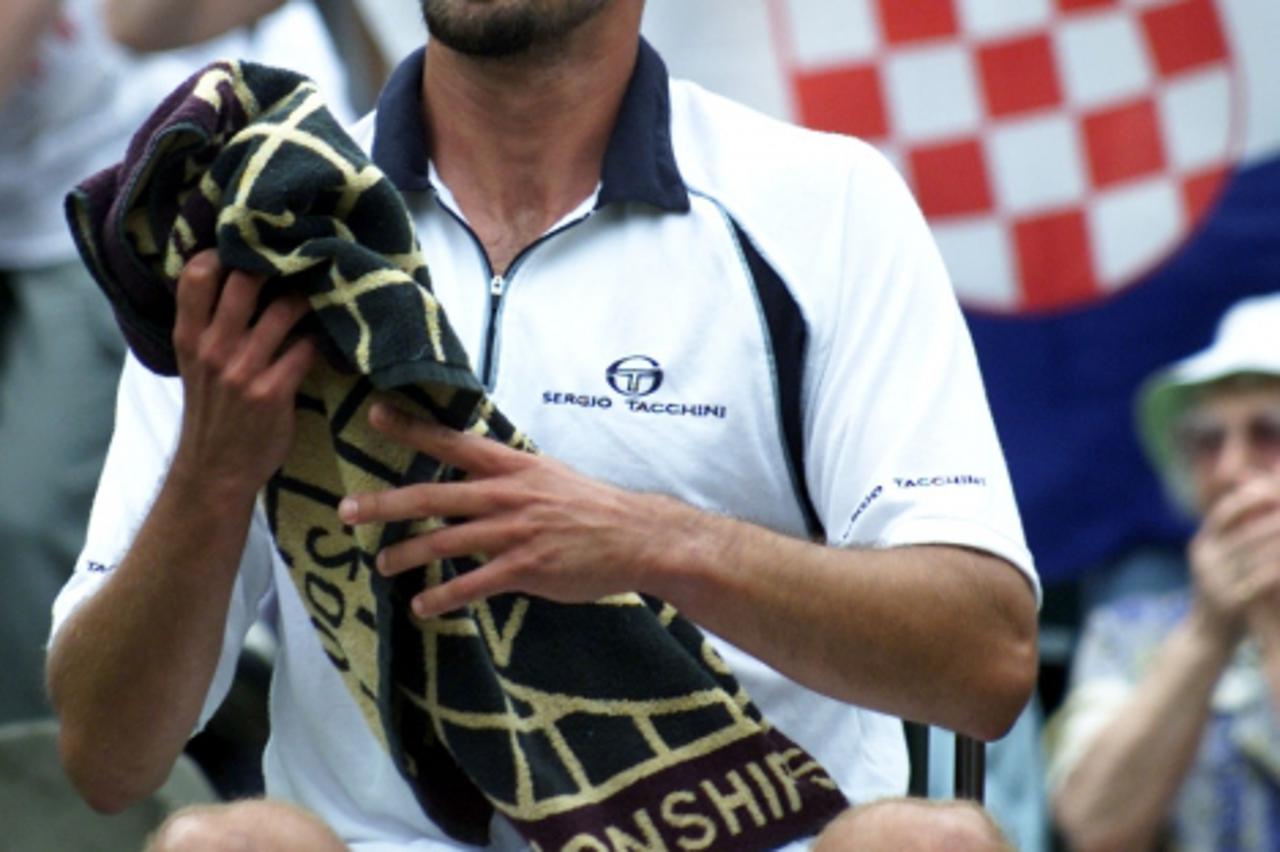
(635,375)
(636,378)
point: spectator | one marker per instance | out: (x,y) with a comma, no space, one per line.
(290,33)
(70,98)
(1168,731)
(63,114)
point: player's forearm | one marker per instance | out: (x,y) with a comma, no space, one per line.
(129,672)
(937,634)
(1120,793)
(147,25)
(22,23)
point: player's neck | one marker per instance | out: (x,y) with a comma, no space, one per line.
(520,142)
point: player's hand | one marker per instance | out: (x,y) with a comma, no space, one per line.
(239,376)
(546,529)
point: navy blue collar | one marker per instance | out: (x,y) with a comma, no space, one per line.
(639,164)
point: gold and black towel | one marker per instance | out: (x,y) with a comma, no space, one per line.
(611,725)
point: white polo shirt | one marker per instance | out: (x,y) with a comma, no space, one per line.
(748,316)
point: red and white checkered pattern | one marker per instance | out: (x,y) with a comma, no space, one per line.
(1060,148)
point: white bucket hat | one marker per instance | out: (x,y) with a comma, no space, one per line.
(1247,343)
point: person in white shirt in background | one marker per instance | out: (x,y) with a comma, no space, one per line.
(70,99)
(327,39)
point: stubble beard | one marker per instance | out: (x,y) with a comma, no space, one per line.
(497,29)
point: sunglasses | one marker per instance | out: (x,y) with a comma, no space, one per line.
(1200,437)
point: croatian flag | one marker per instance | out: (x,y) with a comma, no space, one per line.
(1103,180)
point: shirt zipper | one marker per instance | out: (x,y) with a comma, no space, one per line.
(499,284)
(497,288)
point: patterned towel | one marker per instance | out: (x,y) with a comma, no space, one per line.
(600,726)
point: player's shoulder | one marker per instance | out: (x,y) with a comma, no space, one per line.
(727,149)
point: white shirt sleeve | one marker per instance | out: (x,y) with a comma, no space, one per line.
(902,448)
(148,418)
